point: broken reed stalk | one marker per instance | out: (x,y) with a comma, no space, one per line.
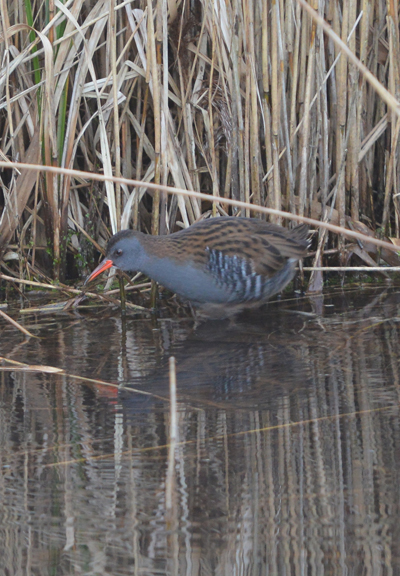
(351,268)
(173,436)
(16,324)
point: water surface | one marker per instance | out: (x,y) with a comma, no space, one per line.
(287,459)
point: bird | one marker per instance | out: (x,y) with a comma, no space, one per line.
(221,265)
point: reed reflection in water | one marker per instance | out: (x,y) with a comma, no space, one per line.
(287,460)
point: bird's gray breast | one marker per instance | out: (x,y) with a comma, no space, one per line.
(193,282)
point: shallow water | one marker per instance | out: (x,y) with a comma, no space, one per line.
(287,459)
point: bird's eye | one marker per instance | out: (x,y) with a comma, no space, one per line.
(118,252)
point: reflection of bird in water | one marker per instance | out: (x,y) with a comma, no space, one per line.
(239,365)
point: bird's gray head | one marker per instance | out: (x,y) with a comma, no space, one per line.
(125,250)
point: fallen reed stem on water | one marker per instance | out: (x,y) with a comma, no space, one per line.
(70,291)
(14,365)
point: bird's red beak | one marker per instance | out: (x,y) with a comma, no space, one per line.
(104,265)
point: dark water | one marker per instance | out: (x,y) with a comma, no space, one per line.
(288,455)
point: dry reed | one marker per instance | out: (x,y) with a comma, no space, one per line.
(261,102)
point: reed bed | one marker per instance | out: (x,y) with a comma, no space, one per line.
(249,101)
